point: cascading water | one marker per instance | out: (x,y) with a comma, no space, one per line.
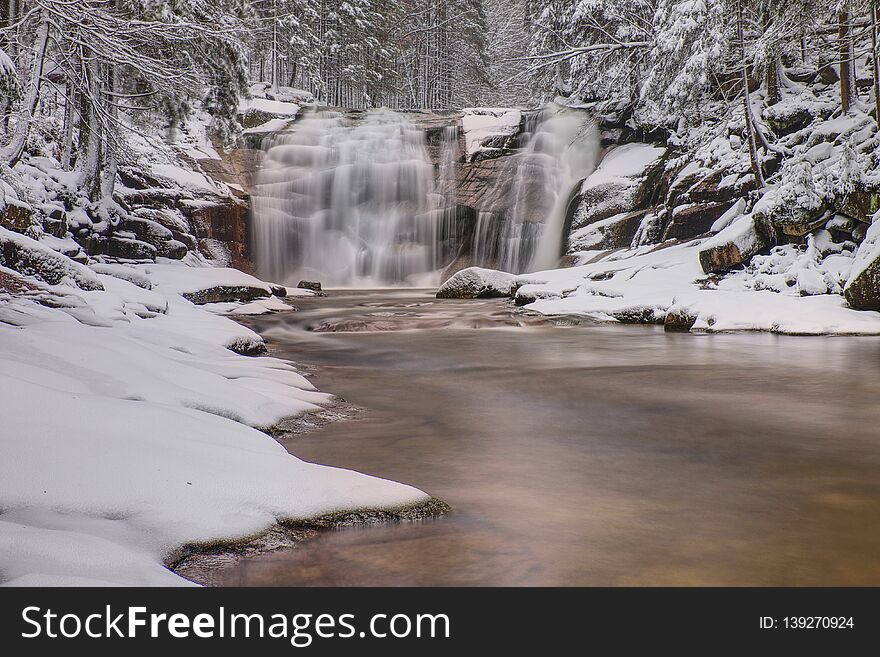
(349,205)
(361,203)
(559,150)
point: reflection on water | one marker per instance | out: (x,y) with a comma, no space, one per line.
(587,454)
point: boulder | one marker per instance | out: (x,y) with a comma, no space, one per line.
(152,232)
(785,119)
(679,319)
(801,221)
(862,290)
(225,293)
(314,286)
(613,233)
(15,217)
(695,219)
(860,205)
(624,182)
(29,257)
(130,249)
(735,245)
(55,223)
(478,283)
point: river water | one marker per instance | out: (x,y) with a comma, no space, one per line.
(582,453)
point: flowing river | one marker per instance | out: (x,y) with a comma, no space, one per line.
(576,453)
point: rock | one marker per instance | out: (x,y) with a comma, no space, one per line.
(278,290)
(860,205)
(784,119)
(224,222)
(692,220)
(802,221)
(624,182)
(828,73)
(55,223)
(226,293)
(29,257)
(152,232)
(679,319)
(16,217)
(314,286)
(715,188)
(613,233)
(172,249)
(862,290)
(477,283)
(858,232)
(130,249)
(735,245)
(532,292)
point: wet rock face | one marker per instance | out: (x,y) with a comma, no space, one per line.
(226,222)
(478,283)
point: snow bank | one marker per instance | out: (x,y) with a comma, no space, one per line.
(643,284)
(129,430)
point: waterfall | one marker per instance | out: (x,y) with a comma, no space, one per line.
(349,204)
(359,201)
(559,152)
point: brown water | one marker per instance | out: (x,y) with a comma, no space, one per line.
(587,454)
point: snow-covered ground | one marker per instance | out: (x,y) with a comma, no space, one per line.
(129,429)
(644,284)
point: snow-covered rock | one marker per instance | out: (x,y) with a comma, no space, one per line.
(477,283)
(862,290)
(621,184)
(735,245)
(32,258)
(209,284)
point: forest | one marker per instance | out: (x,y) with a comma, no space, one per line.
(81,74)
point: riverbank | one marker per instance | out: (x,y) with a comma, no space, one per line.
(133,428)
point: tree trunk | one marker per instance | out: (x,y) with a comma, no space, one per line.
(771,74)
(13,152)
(89,160)
(747,103)
(67,132)
(875,60)
(845,56)
(108,175)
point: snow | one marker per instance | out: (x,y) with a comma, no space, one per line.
(648,281)
(624,163)
(129,430)
(482,124)
(277,107)
(269,127)
(726,219)
(174,277)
